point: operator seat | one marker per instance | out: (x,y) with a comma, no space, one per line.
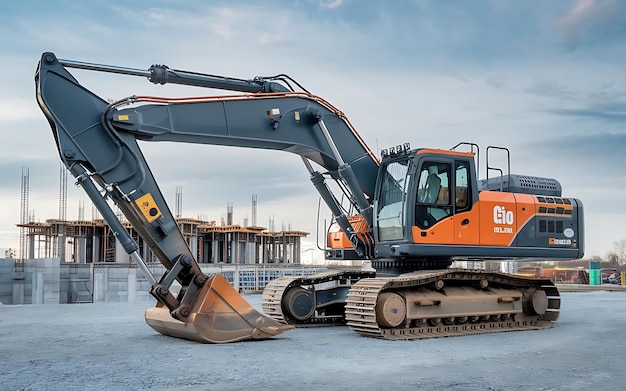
(433,186)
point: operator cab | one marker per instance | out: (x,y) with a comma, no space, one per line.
(421,188)
(429,207)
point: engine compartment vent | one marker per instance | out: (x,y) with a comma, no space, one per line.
(525,184)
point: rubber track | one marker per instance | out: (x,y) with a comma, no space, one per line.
(361,305)
(275,290)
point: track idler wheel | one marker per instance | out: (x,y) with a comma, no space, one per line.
(390,309)
(299,303)
(534,301)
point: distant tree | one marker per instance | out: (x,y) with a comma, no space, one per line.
(595,258)
(612,258)
(617,256)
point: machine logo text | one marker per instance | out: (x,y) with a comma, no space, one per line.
(502,216)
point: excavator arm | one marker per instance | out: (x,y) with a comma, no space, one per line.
(98,142)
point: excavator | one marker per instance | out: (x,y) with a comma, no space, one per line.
(410,213)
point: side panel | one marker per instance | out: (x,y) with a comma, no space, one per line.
(462,228)
(440,233)
(467,226)
(558,223)
(497,218)
(524,220)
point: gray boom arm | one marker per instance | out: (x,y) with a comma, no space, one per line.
(97,141)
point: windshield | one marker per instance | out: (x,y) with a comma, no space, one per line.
(393,196)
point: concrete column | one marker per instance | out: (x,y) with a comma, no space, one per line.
(215,256)
(132,285)
(262,250)
(234,248)
(99,285)
(37,288)
(81,250)
(193,245)
(97,252)
(31,247)
(296,250)
(18,289)
(250,252)
(120,254)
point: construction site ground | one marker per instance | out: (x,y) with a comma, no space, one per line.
(108,346)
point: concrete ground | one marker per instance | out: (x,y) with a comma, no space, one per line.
(109,347)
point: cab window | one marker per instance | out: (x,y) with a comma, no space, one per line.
(461,188)
(433,194)
(393,196)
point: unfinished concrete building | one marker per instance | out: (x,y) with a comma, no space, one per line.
(92,241)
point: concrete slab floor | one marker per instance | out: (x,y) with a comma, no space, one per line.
(109,346)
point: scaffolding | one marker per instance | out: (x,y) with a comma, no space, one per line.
(24,197)
(92,241)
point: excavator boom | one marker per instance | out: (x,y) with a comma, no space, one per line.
(98,142)
(109,165)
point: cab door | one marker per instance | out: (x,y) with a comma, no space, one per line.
(467,212)
(434,209)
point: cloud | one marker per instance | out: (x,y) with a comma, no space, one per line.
(590,22)
(332,4)
(605,112)
(596,157)
(604,101)
(149,17)
(273,39)
(553,89)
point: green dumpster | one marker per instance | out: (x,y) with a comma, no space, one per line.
(595,273)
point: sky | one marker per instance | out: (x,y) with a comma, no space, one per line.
(545,79)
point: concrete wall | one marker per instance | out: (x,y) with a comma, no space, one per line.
(37,281)
(119,284)
(42,280)
(76,283)
(46,281)
(6,280)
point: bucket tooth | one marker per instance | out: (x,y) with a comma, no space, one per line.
(218,315)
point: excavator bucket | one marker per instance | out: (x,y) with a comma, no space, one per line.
(219,315)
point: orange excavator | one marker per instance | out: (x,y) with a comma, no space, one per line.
(411,212)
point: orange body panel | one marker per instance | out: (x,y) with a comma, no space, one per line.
(467,227)
(451,230)
(525,209)
(440,233)
(338,240)
(494,220)
(497,218)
